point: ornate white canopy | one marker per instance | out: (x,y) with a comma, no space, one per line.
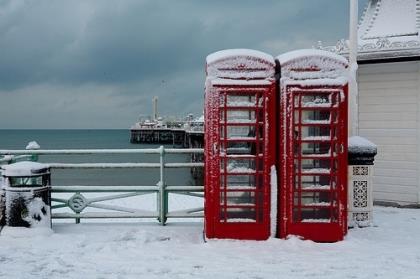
(387,29)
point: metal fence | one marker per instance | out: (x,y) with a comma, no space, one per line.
(78,202)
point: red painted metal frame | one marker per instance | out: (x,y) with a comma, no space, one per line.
(292,141)
(216,225)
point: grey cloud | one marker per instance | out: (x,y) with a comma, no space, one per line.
(144,48)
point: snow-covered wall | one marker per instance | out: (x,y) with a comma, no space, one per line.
(389,116)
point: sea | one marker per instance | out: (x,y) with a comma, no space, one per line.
(98,139)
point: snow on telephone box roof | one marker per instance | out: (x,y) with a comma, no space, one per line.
(240,64)
(387,29)
(313,66)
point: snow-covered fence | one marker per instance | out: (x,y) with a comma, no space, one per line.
(79,201)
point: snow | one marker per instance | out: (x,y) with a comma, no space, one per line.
(317,187)
(233,169)
(241,220)
(240,121)
(38,213)
(311,121)
(24,168)
(316,170)
(339,81)
(292,56)
(316,221)
(317,138)
(273,205)
(225,82)
(317,105)
(402,11)
(240,64)
(317,204)
(242,138)
(388,250)
(228,53)
(32,145)
(358,144)
(313,68)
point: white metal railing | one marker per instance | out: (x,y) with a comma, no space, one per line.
(79,202)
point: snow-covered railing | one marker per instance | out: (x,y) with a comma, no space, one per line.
(79,202)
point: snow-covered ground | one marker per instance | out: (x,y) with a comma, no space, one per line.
(390,249)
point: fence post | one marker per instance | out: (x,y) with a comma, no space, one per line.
(162,199)
(33,145)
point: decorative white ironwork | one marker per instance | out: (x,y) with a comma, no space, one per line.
(380,39)
(381,44)
(360,170)
(360,200)
(360,194)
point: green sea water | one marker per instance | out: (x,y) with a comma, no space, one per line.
(96,139)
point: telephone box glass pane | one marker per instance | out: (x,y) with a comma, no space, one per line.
(241,101)
(243,181)
(239,116)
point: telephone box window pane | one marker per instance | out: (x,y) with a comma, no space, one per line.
(313,117)
(319,100)
(241,101)
(240,116)
(315,199)
(316,133)
(238,198)
(316,215)
(316,148)
(238,148)
(314,166)
(235,165)
(239,215)
(241,182)
(241,132)
(313,100)
(317,182)
(324,184)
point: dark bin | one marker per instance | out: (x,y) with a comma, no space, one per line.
(27,194)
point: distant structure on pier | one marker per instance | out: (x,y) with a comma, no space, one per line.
(187,133)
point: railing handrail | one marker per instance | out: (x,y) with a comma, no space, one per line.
(100,151)
(161,189)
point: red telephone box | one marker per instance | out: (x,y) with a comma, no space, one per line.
(239,147)
(313,145)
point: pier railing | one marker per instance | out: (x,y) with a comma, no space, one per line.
(80,201)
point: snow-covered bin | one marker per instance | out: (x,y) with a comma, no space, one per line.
(27,194)
(361,154)
(2,201)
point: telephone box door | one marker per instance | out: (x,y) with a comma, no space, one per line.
(314,148)
(318,171)
(238,157)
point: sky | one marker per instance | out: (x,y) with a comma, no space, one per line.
(96,64)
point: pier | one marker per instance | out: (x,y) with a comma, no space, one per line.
(176,137)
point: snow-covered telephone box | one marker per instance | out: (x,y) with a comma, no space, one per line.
(240,131)
(313,145)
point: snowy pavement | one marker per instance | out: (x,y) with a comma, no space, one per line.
(390,249)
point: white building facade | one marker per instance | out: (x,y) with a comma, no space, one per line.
(389,95)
